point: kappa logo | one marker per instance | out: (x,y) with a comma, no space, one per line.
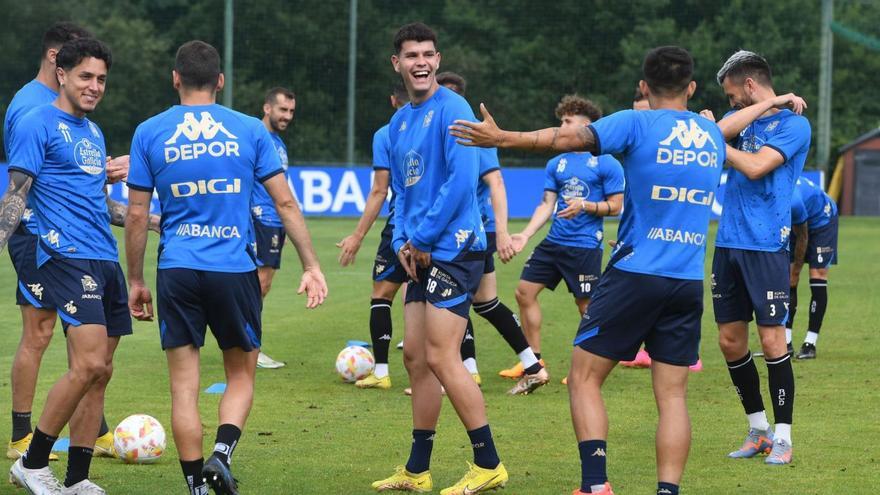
(593,162)
(683,137)
(205,128)
(257,211)
(70,307)
(380,269)
(560,167)
(28,213)
(402,127)
(600,452)
(428,119)
(89,284)
(65,132)
(663,491)
(446,292)
(52,238)
(36,290)
(689,134)
(784,232)
(385,337)
(461,237)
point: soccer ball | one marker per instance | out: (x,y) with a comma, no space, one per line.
(139,439)
(354,363)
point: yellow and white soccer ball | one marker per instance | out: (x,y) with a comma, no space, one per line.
(139,439)
(353,363)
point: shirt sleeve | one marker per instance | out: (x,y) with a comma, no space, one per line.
(798,209)
(615,133)
(381,150)
(268,163)
(488,160)
(399,236)
(550,175)
(28,150)
(613,181)
(140,176)
(793,136)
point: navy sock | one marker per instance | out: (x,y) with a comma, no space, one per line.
(468,344)
(485,454)
(380,328)
(37,455)
(192,473)
(104,428)
(664,488)
(781,379)
(227,439)
(78,461)
(744,375)
(21,425)
(593,471)
(819,290)
(420,454)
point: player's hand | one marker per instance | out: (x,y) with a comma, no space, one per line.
(485,134)
(708,114)
(407,261)
(117,168)
(790,101)
(574,208)
(155,224)
(315,287)
(140,302)
(422,258)
(504,245)
(612,243)
(519,242)
(349,247)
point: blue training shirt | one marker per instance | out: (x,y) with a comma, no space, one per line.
(435,179)
(581,176)
(382,161)
(757,213)
(262,206)
(488,163)
(204,161)
(810,204)
(672,163)
(66,157)
(30,96)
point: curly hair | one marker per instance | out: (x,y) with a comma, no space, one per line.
(577,105)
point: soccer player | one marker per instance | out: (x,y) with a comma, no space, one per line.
(59,156)
(203,160)
(37,315)
(750,269)
(582,189)
(814,220)
(278,108)
(492,198)
(439,238)
(388,273)
(651,291)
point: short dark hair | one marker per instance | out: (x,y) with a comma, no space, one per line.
(62,32)
(668,70)
(577,105)
(73,52)
(638,96)
(415,31)
(198,65)
(272,94)
(399,91)
(453,79)
(743,64)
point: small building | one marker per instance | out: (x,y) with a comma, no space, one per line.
(860,194)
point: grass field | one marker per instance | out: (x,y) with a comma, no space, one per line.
(311,434)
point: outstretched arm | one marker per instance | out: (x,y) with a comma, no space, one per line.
(734,123)
(352,243)
(13,204)
(487,134)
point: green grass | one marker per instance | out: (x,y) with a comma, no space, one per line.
(311,434)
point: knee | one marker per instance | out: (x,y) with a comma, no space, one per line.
(772,340)
(91,372)
(413,362)
(435,362)
(729,344)
(523,298)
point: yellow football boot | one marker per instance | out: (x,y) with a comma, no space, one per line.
(405,481)
(373,381)
(18,448)
(104,446)
(478,480)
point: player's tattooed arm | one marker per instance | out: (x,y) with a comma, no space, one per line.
(117,212)
(13,204)
(487,134)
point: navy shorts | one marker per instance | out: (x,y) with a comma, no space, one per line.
(746,282)
(489,265)
(550,262)
(449,284)
(269,243)
(191,300)
(88,292)
(387,266)
(821,245)
(23,253)
(634,308)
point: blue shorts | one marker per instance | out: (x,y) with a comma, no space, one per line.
(387,266)
(821,245)
(449,284)
(634,308)
(492,247)
(269,243)
(746,282)
(550,262)
(23,253)
(191,300)
(88,292)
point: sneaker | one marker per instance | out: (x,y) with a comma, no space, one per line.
(529,383)
(517,371)
(34,481)
(696,368)
(400,345)
(104,446)
(756,442)
(216,475)
(405,481)
(267,363)
(17,448)
(808,351)
(373,381)
(84,487)
(606,490)
(478,480)
(781,453)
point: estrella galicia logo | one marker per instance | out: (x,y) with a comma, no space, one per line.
(414,166)
(89,157)
(575,188)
